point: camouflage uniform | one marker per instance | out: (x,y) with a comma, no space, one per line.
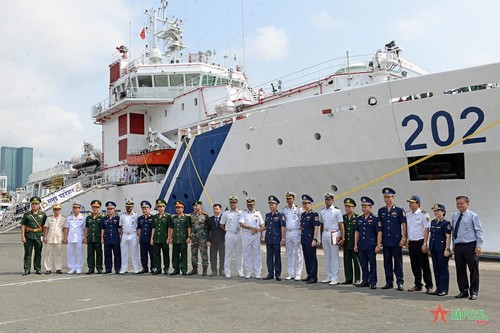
(199,226)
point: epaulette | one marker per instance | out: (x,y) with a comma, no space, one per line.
(423,211)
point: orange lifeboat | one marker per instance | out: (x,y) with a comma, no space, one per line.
(157,157)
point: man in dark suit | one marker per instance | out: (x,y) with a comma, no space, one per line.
(216,238)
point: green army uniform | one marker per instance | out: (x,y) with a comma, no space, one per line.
(94,247)
(199,227)
(180,225)
(33,233)
(350,257)
(160,226)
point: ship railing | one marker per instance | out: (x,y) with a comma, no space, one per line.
(48,173)
(139,93)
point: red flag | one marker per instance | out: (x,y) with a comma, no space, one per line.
(143,33)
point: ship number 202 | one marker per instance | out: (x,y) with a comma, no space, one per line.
(444,135)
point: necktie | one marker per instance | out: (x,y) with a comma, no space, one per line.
(457,225)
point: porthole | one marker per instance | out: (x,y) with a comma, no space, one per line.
(334,188)
(247,145)
(317,136)
(174,197)
(186,196)
(212,152)
(372,101)
(245,193)
(280,141)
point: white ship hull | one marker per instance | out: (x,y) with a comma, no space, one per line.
(347,149)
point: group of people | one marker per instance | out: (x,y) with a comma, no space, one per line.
(240,233)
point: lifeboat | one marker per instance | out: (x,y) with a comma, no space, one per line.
(151,158)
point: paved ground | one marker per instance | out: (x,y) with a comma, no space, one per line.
(117,303)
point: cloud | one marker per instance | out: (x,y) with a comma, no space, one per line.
(324,21)
(421,25)
(269,43)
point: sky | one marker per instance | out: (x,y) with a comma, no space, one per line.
(54,54)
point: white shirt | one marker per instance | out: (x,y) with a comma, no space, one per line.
(75,226)
(252,219)
(128,222)
(55,234)
(231,220)
(330,218)
(292,216)
(417,222)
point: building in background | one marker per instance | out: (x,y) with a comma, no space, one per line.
(17,165)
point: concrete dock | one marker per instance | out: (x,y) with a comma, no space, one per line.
(133,303)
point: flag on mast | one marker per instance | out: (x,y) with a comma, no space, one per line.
(143,33)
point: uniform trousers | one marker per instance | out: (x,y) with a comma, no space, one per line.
(214,249)
(160,249)
(233,246)
(75,256)
(94,255)
(441,271)
(37,245)
(112,251)
(332,261)
(130,242)
(465,257)
(393,264)
(351,259)
(201,247)
(368,259)
(311,261)
(294,262)
(252,254)
(273,255)
(179,257)
(53,250)
(419,263)
(147,250)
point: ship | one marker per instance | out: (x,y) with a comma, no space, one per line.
(181,126)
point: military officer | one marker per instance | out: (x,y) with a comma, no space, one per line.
(394,237)
(293,248)
(310,227)
(230,224)
(418,222)
(439,248)
(144,229)
(199,226)
(350,257)
(275,233)
(74,236)
(332,224)
(179,234)
(31,234)
(467,241)
(128,223)
(53,235)
(216,240)
(93,238)
(367,243)
(252,225)
(159,237)
(110,237)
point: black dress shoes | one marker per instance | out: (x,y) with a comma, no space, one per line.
(306,279)
(48,272)
(278,278)
(107,272)
(400,287)
(38,273)
(311,281)
(361,285)
(99,271)
(441,293)
(388,286)
(60,272)
(144,270)
(346,282)
(473,297)
(269,277)
(26,273)
(374,287)
(91,271)
(462,294)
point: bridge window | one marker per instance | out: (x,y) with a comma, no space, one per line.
(145,81)
(208,80)
(193,80)
(161,80)
(222,81)
(176,80)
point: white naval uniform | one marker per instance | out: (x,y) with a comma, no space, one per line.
(128,222)
(252,253)
(292,241)
(75,226)
(330,218)
(55,236)
(231,220)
